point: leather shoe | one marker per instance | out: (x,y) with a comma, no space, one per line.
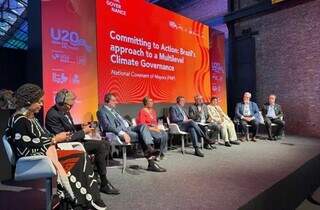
(198,153)
(227,144)
(109,189)
(98,205)
(253,139)
(155,167)
(235,142)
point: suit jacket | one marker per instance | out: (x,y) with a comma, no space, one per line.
(277,110)
(254,110)
(108,122)
(57,122)
(214,114)
(196,115)
(176,116)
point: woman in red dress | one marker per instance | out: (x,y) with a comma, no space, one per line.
(148,116)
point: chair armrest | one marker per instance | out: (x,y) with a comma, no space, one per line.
(71,146)
(174,129)
(34,167)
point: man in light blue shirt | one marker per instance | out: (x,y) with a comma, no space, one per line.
(248,114)
(272,113)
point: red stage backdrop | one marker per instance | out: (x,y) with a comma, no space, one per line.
(145,50)
(69,53)
(141,50)
(218,73)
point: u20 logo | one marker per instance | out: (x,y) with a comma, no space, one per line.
(64,36)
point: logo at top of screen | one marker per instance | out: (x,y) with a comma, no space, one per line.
(68,39)
(116,6)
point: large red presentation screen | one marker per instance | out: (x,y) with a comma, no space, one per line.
(145,50)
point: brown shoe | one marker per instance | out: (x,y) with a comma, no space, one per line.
(253,139)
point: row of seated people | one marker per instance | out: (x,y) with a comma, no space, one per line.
(247,113)
(28,137)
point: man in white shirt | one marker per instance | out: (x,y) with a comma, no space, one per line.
(272,113)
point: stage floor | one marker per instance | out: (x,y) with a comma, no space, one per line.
(225,179)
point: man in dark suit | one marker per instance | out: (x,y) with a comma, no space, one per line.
(248,114)
(272,113)
(179,116)
(111,121)
(59,119)
(198,112)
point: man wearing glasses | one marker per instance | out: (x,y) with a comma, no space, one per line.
(59,119)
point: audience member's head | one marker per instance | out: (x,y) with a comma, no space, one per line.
(110,100)
(65,99)
(147,102)
(272,99)
(181,100)
(214,101)
(29,98)
(6,99)
(246,97)
(198,99)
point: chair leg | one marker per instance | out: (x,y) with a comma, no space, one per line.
(48,193)
(124,157)
(202,143)
(182,144)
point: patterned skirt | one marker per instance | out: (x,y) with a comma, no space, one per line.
(81,176)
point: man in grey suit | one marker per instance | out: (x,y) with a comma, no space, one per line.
(272,113)
(111,121)
(179,116)
(199,113)
(248,114)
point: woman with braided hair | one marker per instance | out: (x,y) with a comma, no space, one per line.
(27,137)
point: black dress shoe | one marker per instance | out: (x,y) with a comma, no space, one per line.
(206,146)
(198,153)
(235,142)
(227,144)
(155,167)
(109,189)
(98,205)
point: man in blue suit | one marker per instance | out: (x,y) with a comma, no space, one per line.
(179,116)
(111,121)
(248,114)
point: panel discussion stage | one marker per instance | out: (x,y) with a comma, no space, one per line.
(262,175)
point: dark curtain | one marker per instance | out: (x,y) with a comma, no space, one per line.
(13,67)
